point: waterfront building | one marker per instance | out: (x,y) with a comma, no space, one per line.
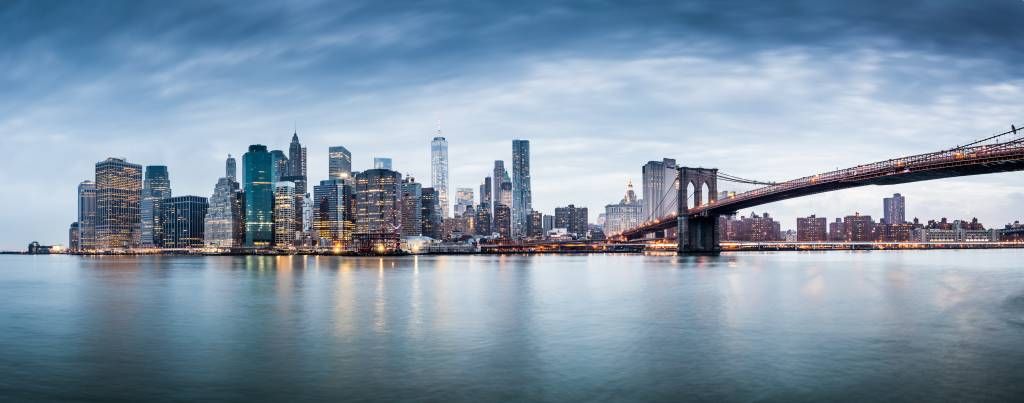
(503,221)
(378,210)
(87,215)
(659,188)
(439,171)
(463,200)
(258,166)
(753,228)
(412,207)
(155,187)
(896,232)
(430,213)
(339,163)
(74,237)
(182,219)
(894,209)
(224,224)
(535,225)
(837,231)
(522,198)
(333,217)
(574,219)
(859,228)
(626,214)
(118,194)
(811,229)
(381,163)
(284,214)
(482,224)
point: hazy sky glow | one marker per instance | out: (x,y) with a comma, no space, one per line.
(768,90)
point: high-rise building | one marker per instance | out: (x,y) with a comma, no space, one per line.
(87,215)
(548,222)
(333,218)
(225,227)
(485,194)
(837,231)
(412,207)
(381,163)
(297,175)
(231,169)
(497,180)
(280,165)
(182,219)
(859,228)
(811,229)
(482,224)
(258,166)
(431,213)
(118,194)
(439,171)
(463,200)
(626,214)
(339,163)
(522,198)
(894,209)
(74,237)
(535,225)
(156,187)
(378,210)
(574,219)
(660,191)
(503,221)
(284,214)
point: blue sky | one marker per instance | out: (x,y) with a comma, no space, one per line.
(767,90)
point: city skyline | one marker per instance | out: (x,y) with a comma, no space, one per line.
(754,104)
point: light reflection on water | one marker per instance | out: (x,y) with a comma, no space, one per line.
(912,326)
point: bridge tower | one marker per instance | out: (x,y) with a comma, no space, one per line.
(697,234)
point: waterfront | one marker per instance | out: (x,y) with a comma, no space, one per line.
(893,325)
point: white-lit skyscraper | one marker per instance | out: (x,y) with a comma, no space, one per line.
(439,171)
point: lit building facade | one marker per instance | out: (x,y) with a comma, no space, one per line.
(430,213)
(859,228)
(258,166)
(811,229)
(284,214)
(503,221)
(439,172)
(627,214)
(183,221)
(412,207)
(339,161)
(333,218)
(155,187)
(574,219)
(535,225)
(378,210)
(522,197)
(496,180)
(87,215)
(463,200)
(118,195)
(224,224)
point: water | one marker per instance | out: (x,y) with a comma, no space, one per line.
(903,326)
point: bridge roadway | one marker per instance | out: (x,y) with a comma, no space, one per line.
(959,161)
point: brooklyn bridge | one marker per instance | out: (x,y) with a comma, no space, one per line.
(695,227)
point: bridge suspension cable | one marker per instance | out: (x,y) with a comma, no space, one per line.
(733,178)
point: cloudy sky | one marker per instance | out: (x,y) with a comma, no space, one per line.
(761,89)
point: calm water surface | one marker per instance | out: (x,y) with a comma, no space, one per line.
(908,326)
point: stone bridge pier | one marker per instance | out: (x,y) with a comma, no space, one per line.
(697,234)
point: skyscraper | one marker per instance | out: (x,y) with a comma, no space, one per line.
(280,165)
(284,214)
(482,223)
(430,214)
(339,163)
(660,193)
(297,175)
(378,210)
(333,219)
(74,237)
(224,224)
(412,207)
(522,199)
(182,219)
(381,163)
(155,188)
(497,180)
(894,209)
(503,221)
(258,166)
(87,215)
(463,200)
(439,171)
(118,194)
(230,169)
(485,194)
